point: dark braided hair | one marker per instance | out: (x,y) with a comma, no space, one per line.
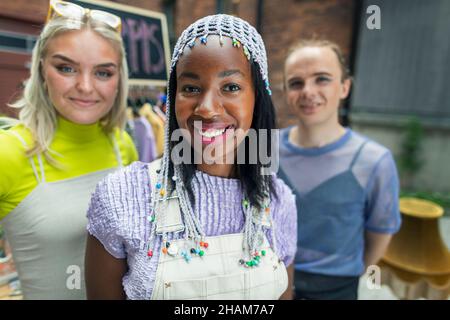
(249,175)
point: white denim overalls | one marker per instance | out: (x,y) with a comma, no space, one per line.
(218,274)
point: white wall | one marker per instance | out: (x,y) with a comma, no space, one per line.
(434,175)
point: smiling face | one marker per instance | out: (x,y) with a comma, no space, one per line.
(81,72)
(214,86)
(314,85)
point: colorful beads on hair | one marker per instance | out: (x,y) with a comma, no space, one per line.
(246,52)
(267,84)
(187,257)
(254,262)
(242,34)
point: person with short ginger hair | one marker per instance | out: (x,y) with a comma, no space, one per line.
(346,184)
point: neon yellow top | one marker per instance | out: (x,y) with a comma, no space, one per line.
(81,149)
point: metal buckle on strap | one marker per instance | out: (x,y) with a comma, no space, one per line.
(170,219)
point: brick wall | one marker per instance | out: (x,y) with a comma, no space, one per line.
(21,16)
(188,11)
(286,21)
(283,22)
(33,11)
(25,16)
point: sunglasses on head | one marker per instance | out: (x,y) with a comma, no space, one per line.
(73,11)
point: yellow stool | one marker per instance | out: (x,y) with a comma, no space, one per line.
(417,262)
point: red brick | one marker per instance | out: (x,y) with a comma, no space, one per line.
(283,23)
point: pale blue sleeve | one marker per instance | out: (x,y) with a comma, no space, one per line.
(382,213)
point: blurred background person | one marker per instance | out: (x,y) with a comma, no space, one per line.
(346,185)
(142,133)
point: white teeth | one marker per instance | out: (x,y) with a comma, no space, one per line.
(212,132)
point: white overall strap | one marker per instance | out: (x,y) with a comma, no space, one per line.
(33,166)
(117,151)
(41,165)
(171,220)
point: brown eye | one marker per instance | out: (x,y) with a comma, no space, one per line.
(232,87)
(190,89)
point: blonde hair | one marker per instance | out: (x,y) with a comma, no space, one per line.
(323,43)
(37,111)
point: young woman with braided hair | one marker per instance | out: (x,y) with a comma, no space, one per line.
(203,229)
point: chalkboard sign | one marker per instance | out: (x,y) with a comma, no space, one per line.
(17,42)
(145,38)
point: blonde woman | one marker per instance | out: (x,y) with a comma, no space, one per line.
(69,137)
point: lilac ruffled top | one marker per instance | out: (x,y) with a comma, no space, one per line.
(119,208)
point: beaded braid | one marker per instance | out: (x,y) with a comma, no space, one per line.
(243,36)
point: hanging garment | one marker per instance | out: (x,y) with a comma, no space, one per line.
(157,125)
(144,139)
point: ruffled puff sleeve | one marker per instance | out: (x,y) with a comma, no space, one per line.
(284,215)
(103,220)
